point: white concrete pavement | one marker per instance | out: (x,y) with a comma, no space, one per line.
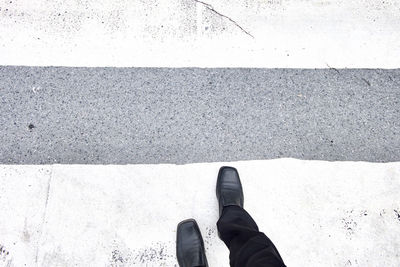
(318,213)
(193,33)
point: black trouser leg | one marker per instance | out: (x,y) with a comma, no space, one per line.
(248,247)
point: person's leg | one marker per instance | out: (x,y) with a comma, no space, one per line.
(248,247)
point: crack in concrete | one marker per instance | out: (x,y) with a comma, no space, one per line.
(211,8)
(44,213)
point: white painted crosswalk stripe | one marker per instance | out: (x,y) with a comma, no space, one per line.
(215,33)
(335,213)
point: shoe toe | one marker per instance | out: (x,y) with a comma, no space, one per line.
(229,188)
(190,245)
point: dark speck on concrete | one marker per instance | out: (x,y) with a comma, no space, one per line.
(397,214)
(31,126)
(117,257)
(366,81)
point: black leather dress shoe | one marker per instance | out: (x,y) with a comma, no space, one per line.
(229,188)
(189,245)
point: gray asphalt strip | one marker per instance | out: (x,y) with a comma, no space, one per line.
(184,115)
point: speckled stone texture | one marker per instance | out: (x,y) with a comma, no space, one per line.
(169,115)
